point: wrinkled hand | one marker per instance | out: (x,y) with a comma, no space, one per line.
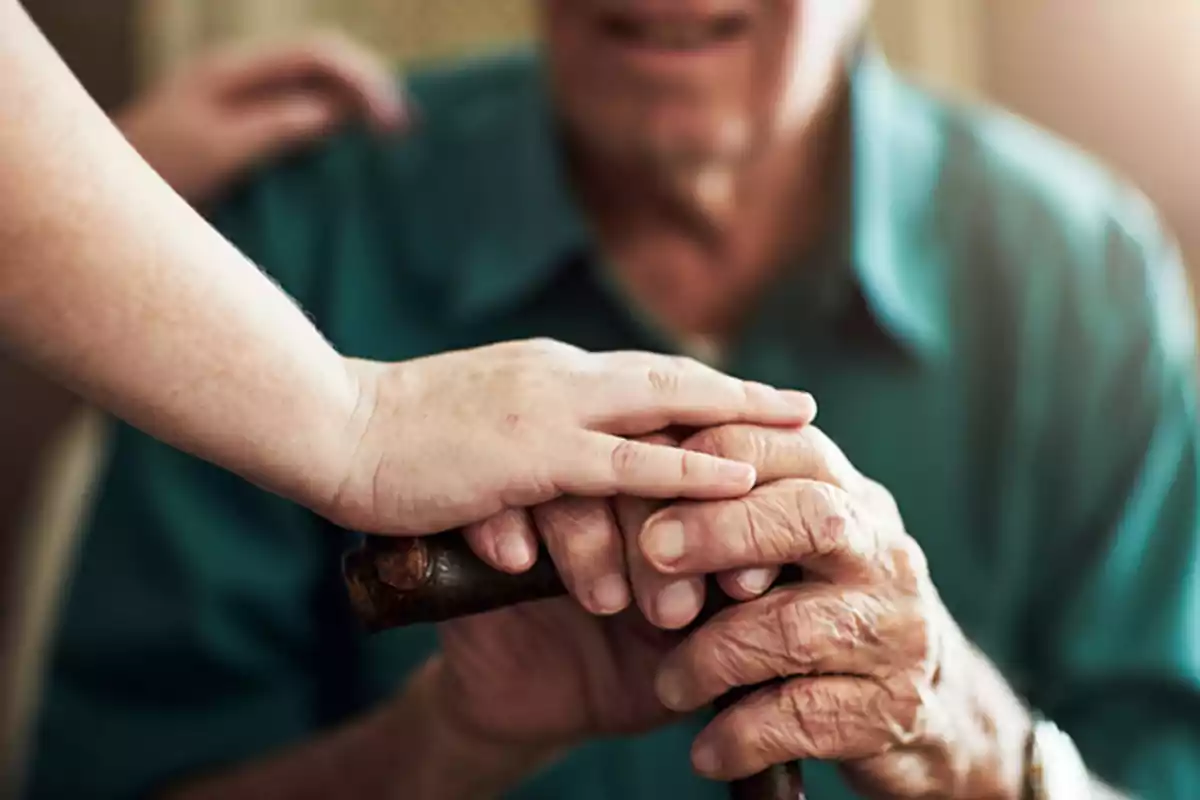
(447,440)
(548,675)
(876,674)
(203,127)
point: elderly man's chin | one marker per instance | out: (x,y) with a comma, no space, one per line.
(675,144)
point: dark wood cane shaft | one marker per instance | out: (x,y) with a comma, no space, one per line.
(396,582)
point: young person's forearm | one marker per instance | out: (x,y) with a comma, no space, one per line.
(113,285)
(407,750)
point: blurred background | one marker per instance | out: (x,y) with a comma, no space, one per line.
(1117,77)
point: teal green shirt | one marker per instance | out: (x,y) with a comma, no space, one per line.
(1005,340)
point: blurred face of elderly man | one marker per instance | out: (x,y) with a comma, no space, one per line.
(702,131)
(682,87)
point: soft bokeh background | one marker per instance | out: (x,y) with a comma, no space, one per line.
(1119,77)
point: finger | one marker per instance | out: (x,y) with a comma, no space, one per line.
(633,393)
(670,603)
(809,629)
(599,465)
(803,522)
(746,584)
(350,69)
(582,537)
(775,453)
(837,718)
(506,541)
(281,123)
(778,452)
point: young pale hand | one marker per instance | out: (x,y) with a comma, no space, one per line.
(449,440)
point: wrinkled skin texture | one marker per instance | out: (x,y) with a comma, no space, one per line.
(862,639)
(572,674)
(877,676)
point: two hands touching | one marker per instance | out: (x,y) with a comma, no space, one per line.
(867,667)
(540,441)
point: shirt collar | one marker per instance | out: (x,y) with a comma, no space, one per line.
(895,242)
(525,224)
(522,223)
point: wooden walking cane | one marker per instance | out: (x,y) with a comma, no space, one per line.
(394,582)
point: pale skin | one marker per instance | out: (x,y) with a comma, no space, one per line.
(877,676)
(111,283)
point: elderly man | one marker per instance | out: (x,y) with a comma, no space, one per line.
(997,512)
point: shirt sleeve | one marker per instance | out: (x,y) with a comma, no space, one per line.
(1117,631)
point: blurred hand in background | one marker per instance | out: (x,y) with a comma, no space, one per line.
(206,124)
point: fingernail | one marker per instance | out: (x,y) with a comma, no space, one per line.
(801,400)
(705,759)
(610,594)
(678,603)
(736,472)
(670,689)
(664,541)
(514,553)
(755,581)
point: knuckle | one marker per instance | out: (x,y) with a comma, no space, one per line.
(739,648)
(824,516)
(819,441)
(793,627)
(627,458)
(851,623)
(721,663)
(709,441)
(892,630)
(737,442)
(899,706)
(540,347)
(836,467)
(814,731)
(663,379)
(527,390)
(542,344)
(759,527)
